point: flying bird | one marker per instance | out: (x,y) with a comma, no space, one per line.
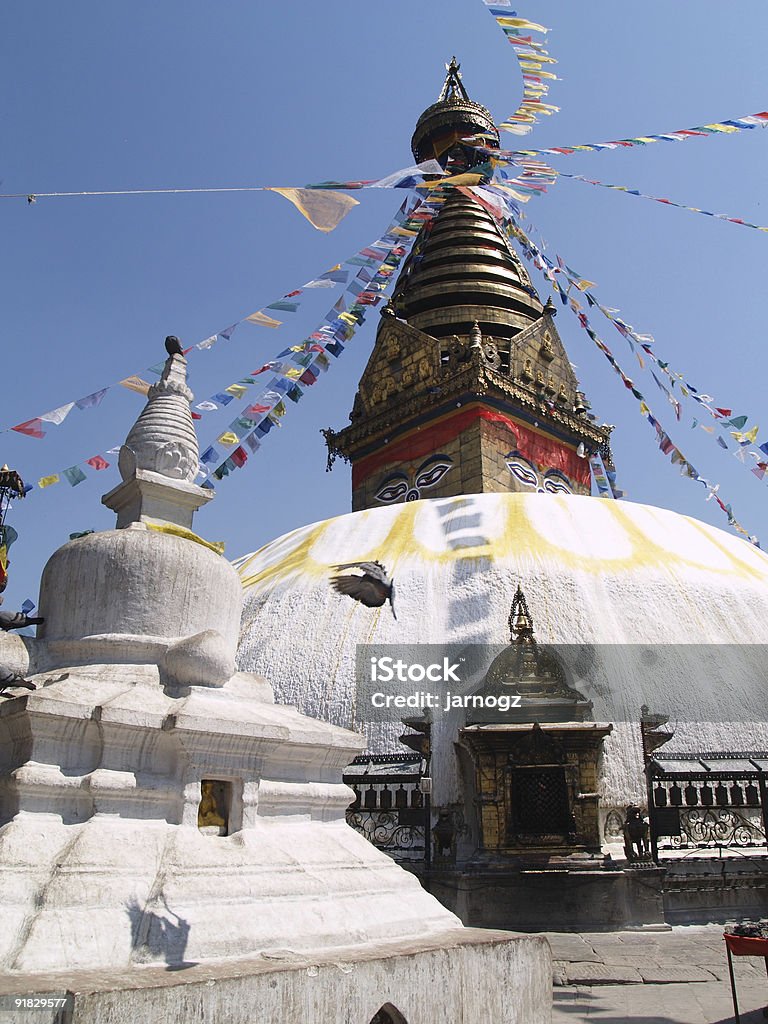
(10,678)
(372,589)
(18,620)
(173,346)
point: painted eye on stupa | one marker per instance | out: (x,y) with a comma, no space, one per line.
(393,488)
(433,470)
(522,469)
(556,483)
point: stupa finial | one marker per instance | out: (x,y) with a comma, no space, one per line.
(520,621)
(160,458)
(453,87)
(163,438)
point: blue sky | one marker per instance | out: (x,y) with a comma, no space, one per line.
(188,94)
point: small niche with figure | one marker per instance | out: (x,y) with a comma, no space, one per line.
(213,810)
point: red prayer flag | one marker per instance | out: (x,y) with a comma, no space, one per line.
(256,409)
(239,457)
(97,462)
(32,428)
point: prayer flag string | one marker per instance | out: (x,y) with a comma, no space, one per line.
(303,361)
(723,416)
(667,202)
(535,66)
(407,177)
(298,366)
(665,443)
(729,127)
(37,426)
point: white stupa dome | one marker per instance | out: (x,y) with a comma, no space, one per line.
(652,584)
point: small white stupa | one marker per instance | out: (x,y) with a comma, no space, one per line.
(158,811)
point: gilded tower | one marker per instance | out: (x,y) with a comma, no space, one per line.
(468,388)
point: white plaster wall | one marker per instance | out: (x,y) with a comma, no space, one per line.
(103,866)
(469,976)
(140,582)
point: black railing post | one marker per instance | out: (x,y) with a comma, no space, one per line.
(764,811)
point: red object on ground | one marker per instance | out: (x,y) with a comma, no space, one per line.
(743,945)
(746,945)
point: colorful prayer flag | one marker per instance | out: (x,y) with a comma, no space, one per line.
(74,475)
(135,383)
(324,210)
(32,428)
(239,456)
(57,416)
(262,320)
(91,401)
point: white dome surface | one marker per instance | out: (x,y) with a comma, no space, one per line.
(593,571)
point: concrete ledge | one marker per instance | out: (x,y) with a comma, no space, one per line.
(464,975)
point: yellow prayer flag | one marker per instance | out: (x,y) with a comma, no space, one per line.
(521,23)
(462,179)
(262,319)
(583,284)
(238,390)
(46,481)
(751,435)
(228,438)
(135,384)
(323,209)
(520,196)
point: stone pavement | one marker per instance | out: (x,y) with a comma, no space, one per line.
(678,976)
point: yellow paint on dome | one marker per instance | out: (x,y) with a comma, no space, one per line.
(678,537)
(281,556)
(551,516)
(753,561)
(581,533)
(339,543)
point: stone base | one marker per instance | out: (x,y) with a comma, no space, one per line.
(464,976)
(699,890)
(552,900)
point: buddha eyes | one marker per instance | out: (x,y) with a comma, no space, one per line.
(552,483)
(392,491)
(431,476)
(523,473)
(396,486)
(555,485)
